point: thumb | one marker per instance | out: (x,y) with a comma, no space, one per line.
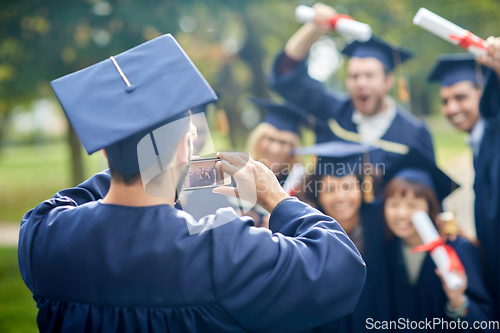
(438,273)
(225,190)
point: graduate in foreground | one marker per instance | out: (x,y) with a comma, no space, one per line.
(131,262)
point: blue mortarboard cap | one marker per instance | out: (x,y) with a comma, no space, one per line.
(203,108)
(337,158)
(115,102)
(377,48)
(453,68)
(285,117)
(416,167)
(199,109)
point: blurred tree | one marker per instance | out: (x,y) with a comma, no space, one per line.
(232,42)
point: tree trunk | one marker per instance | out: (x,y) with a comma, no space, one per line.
(77,169)
(251,53)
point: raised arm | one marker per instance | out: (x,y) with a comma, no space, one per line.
(305,274)
(289,76)
(300,43)
(490,101)
(276,283)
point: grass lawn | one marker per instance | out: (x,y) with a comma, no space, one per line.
(31,174)
(17,307)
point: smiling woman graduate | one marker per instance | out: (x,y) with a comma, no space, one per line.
(417,292)
(339,187)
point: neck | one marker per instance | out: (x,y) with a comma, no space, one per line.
(133,195)
(472,127)
(413,240)
(382,107)
(349,224)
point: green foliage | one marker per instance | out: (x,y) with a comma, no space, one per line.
(17,307)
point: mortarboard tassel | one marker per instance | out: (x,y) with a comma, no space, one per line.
(403,93)
(450,226)
(368,196)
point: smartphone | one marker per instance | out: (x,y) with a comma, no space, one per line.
(204,174)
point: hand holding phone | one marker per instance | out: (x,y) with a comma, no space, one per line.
(256,183)
(203,173)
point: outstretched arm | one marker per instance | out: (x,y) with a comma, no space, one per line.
(490,101)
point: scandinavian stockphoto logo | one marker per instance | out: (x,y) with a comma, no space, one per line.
(165,172)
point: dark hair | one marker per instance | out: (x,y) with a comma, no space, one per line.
(310,194)
(173,144)
(126,179)
(401,187)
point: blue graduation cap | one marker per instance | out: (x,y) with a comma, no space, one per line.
(285,117)
(199,109)
(203,108)
(416,167)
(116,102)
(337,158)
(340,159)
(377,48)
(453,68)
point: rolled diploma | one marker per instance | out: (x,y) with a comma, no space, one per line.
(294,178)
(443,28)
(358,30)
(428,233)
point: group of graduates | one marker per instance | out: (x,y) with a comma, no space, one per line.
(375,167)
(111,256)
(202,177)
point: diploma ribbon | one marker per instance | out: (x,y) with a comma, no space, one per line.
(455,262)
(333,21)
(469,39)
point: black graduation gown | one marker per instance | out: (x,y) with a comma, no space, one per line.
(426,299)
(336,111)
(373,302)
(487,187)
(95,267)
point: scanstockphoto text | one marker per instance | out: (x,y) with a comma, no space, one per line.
(430,324)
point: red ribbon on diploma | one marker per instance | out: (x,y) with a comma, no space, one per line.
(455,262)
(469,39)
(333,21)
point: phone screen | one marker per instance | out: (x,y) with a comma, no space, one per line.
(204,174)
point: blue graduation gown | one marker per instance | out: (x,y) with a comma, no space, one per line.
(487,186)
(426,299)
(95,267)
(373,302)
(336,111)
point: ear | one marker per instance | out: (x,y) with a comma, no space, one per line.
(183,149)
(389,81)
(104,153)
(479,93)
